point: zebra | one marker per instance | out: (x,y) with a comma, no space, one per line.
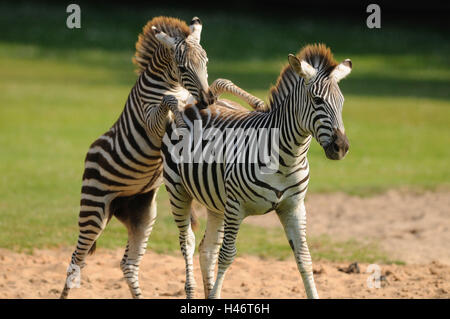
(220,86)
(123,167)
(306,102)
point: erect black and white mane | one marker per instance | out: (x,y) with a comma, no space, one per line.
(147,42)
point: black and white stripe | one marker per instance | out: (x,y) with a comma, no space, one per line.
(123,166)
(305,103)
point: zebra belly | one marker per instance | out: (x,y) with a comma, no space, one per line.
(267,192)
(105,170)
(204,182)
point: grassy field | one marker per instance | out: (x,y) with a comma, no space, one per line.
(60,89)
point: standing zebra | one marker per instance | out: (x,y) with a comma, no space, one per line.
(123,167)
(306,102)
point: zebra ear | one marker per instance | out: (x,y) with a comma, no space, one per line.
(168,41)
(302,68)
(342,70)
(196,29)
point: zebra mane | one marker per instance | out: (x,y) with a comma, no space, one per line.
(318,56)
(147,43)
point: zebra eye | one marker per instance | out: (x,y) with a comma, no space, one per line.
(318,100)
(182,68)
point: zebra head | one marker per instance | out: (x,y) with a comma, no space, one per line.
(190,61)
(323,100)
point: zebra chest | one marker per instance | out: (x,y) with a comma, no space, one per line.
(267,192)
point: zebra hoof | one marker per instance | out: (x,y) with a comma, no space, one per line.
(170,100)
(213,296)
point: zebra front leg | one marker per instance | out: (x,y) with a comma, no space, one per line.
(171,102)
(209,249)
(233,220)
(220,86)
(156,116)
(294,223)
(139,224)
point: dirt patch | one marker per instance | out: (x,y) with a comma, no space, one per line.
(42,275)
(411,227)
(414,228)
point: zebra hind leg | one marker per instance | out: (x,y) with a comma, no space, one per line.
(187,245)
(181,210)
(92,221)
(233,219)
(209,249)
(138,213)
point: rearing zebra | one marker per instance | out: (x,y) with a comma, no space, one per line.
(306,102)
(123,167)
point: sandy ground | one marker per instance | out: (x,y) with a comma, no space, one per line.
(411,227)
(42,275)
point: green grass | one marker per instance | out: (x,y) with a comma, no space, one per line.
(60,89)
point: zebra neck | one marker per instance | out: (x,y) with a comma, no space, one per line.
(287,116)
(153,86)
(157,80)
(129,132)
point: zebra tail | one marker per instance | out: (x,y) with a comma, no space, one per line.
(93,248)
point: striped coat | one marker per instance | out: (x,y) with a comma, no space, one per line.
(306,103)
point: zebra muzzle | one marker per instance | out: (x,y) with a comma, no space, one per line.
(338,147)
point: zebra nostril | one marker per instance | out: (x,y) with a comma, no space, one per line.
(335,148)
